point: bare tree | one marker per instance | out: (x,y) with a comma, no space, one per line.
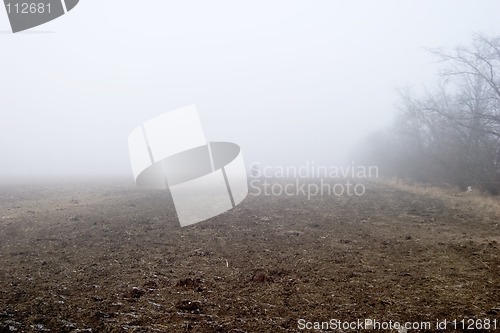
(452,133)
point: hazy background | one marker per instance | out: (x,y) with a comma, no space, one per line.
(289,81)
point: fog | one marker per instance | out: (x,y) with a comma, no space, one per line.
(289,81)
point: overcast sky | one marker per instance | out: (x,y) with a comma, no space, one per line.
(289,81)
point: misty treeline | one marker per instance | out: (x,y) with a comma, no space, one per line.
(450,134)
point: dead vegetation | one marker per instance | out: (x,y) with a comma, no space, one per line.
(481,201)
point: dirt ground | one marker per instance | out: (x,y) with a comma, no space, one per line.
(106,257)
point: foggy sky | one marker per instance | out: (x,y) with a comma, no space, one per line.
(289,81)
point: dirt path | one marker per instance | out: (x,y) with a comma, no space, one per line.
(109,258)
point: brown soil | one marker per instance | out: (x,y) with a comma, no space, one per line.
(106,257)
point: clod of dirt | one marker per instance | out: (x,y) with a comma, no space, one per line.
(150,284)
(5,314)
(136,292)
(40,328)
(189,306)
(493,312)
(203,253)
(262,277)
(8,327)
(196,284)
(293,233)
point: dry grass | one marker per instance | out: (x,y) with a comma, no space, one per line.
(483,202)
